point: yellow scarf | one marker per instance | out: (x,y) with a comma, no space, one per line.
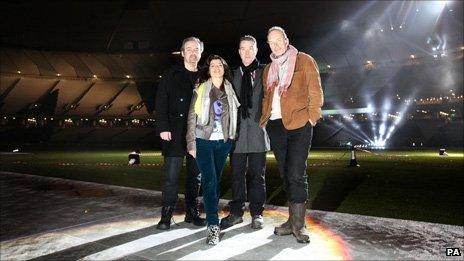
(198,106)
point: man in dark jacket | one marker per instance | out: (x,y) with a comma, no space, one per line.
(172,106)
(253,142)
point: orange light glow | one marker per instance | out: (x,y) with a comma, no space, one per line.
(333,244)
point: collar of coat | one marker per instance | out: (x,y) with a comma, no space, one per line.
(179,67)
(202,102)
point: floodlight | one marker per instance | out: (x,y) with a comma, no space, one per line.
(134,157)
(442,152)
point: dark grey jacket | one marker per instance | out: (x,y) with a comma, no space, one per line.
(251,137)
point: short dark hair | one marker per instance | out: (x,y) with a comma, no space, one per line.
(204,70)
(248,38)
(192,38)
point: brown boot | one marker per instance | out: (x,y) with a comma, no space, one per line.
(298,211)
(285,228)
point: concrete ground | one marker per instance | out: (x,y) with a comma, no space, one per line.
(49,218)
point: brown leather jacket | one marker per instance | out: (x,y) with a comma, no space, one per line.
(303,99)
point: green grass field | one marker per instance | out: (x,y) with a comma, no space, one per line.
(415,185)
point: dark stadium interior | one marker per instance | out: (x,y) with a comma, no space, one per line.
(78,81)
(85,72)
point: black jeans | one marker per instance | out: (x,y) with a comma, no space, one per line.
(172,168)
(291,149)
(257,187)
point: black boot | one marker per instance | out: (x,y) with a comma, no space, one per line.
(230,220)
(166,215)
(192,216)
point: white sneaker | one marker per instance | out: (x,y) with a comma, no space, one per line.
(257,222)
(213,235)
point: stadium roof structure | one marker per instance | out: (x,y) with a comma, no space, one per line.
(339,33)
(105,57)
(92,84)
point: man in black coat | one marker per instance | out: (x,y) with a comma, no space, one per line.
(172,106)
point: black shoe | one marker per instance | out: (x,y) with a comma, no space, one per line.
(192,216)
(230,220)
(166,215)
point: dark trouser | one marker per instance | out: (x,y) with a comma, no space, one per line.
(291,149)
(172,168)
(211,158)
(257,187)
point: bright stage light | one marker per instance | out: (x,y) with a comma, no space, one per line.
(341,111)
(386,105)
(435,7)
(440,3)
(345,24)
(378,144)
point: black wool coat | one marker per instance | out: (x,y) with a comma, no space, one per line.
(171,109)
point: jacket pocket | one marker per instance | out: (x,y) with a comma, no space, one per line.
(300,114)
(298,92)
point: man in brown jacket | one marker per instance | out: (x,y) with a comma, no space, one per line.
(291,108)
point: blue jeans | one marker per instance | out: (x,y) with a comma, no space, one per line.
(211,158)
